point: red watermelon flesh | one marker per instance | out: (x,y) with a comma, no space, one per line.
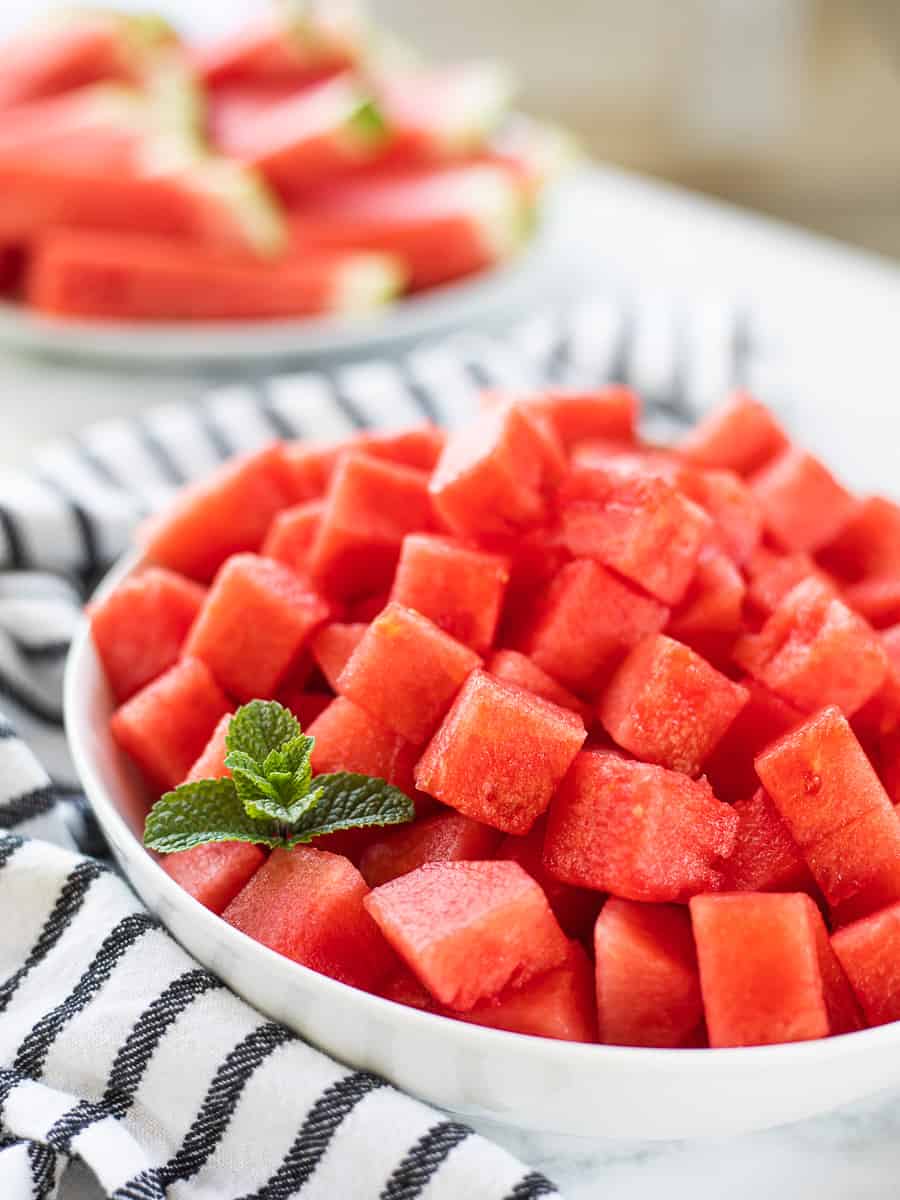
(332,647)
(165,726)
(711,614)
(734,508)
(637,524)
(309,905)
(648,986)
(306,706)
(469,929)
(461,590)
(559,1003)
(500,754)
(668,706)
(310,467)
(575,908)
(91,128)
(763,719)
(765,857)
(419,446)
(876,599)
(772,576)
(868,544)
(214,873)
(370,508)
(607,413)
(576,628)
(139,628)
(443,837)
(858,866)
(869,952)
(637,830)
(494,474)
(803,504)
(741,436)
(257,619)
(211,763)
(759,969)
(365,609)
(349,739)
(844,1015)
(404,988)
(814,651)
(405,671)
(292,534)
(226,513)
(513,667)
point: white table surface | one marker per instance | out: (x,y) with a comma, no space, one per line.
(835,314)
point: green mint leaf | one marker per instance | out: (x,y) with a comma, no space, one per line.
(260,727)
(347,801)
(207,810)
(293,759)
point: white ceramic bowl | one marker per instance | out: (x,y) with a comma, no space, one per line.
(526,1082)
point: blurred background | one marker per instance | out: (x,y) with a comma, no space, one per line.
(786,106)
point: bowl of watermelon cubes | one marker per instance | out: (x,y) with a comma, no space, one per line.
(276,190)
(547,772)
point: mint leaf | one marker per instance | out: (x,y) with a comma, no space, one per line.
(348,801)
(292,759)
(260,727)
(207,810)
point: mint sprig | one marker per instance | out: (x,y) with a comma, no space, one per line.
(272,798)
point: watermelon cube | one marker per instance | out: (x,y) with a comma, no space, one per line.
(735,510)
(869,952)
(637,830)
(647,982)
(469,929)
(574,907)
(227,513)
(139,628)
(306,706)
(494,475)
(292,534)
(257,619)
(165,726)
(500,754)
(844,1015)
(420,446)
(513,667)
(576,628)
(773,575)
(460,589)
(877,599)
(404,988)
(637,524)
(211,763)
(332,647)
(309,905)
(759,968)
(349,739)
(610,413)
(558,1003)
(370,508)
(668,706)
(405,671)
(857,867)
(765,857)
(764,718)
(365,609)
(868,543)
(711,614)
(442,837)
(214,873)
(803,505)
(310,467)
(814,650)
(741,435)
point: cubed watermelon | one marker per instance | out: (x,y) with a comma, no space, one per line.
(857,867)
(877,599)
(494,474)
(306,706)
(310,467)
(370,507)
(868,543)
(211,763)
(558,1003)
(730,768)
(803,505)
(759,968)
(349,739)
(668,706)
(814,650)
(576,628)
(513,667)
(637,830)
(292,534)
(256,621)
(765,857)
(214,873)
(309,905)
(637,524)
(419,446)
(574,907)
(772,575)
(139,628)
(442,837)
(405,671)
(165,726)
(735,510)
(332,647)
(500,754)
(469,929)
(741,435)
(458,588)
(648,986)
(711,614)
(844,1015)
(609,413)
(869,952)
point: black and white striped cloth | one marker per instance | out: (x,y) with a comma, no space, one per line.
(115,1047)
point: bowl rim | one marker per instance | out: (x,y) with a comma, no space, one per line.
(554,1052)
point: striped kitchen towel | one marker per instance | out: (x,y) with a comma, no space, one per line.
(115,1047)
